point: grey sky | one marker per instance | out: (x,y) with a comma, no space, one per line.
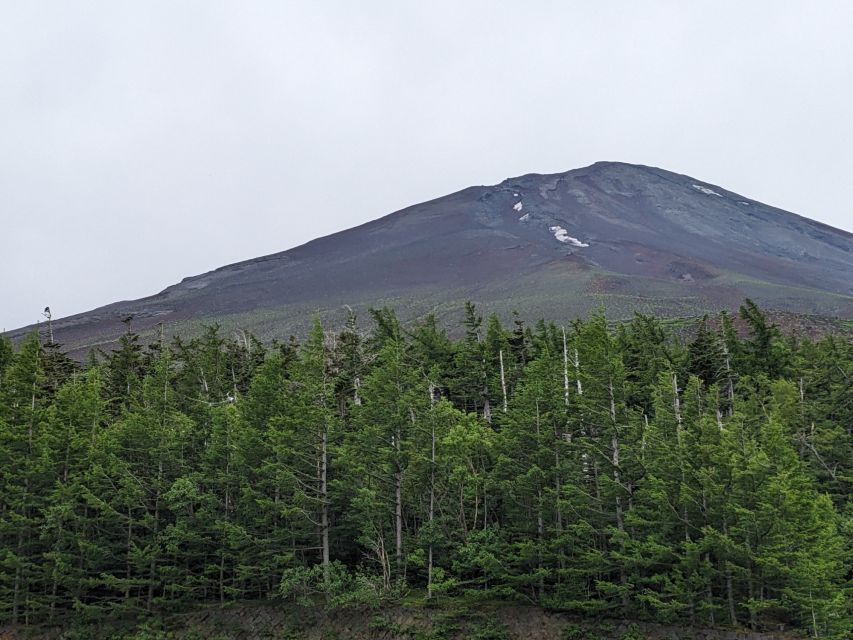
(141,142)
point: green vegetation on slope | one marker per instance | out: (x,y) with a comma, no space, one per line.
(608,472)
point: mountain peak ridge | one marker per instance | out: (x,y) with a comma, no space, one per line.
(634,236)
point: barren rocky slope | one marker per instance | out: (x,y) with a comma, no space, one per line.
(629,237)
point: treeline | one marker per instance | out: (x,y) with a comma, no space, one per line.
(613,471)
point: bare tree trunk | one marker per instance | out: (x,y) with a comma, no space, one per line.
(753,619)
(431,507)
(49,317)
(676,406)
(54,588)
(17,589)
(227,518)
(814,616)
(324,502)
(730,388)
(712,619)
(617,479)
(503,379)
(558,487)
(398,498)
(204,383)
(578,372)
(485,507)
(540,521)
(382,558)
(463,518)
(152,569)
(730,592)
(540,534)
(565,369)
(679,436)
(128,543)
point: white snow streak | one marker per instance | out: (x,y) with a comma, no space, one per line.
(518,206)
(707,191)
(563,236)
(524,218)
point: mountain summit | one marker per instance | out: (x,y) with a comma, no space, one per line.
(625,236)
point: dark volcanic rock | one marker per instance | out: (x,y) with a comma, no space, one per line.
(626,236)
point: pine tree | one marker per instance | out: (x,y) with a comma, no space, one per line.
(614,472)
(766,351)
(470,377)
(378,452)
(606,437)
(74,423)
(302,441)
(24,479)
(528,470)
(126,368)
(6,356)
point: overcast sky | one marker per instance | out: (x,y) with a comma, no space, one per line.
(141,142)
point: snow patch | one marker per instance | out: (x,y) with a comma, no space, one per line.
(707,191)
(514,195)
(524,218)
(744,203)
(518,206)
(563,236)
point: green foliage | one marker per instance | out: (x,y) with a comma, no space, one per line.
(596,470)
(335,586)
(487,630)
(633,633)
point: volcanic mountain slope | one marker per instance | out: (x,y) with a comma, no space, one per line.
(628,237)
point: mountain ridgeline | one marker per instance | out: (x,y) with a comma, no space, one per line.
(603,472)
(625,237)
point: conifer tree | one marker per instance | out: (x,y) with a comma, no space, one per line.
(24,478)
(6,355)
(74,422)
(615,472)
(378,452)
(302,441)
(528,470)
(126,368)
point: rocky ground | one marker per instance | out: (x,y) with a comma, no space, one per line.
(483,622)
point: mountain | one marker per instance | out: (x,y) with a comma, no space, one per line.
(628,237)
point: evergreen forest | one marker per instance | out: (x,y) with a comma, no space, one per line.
(697,476)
